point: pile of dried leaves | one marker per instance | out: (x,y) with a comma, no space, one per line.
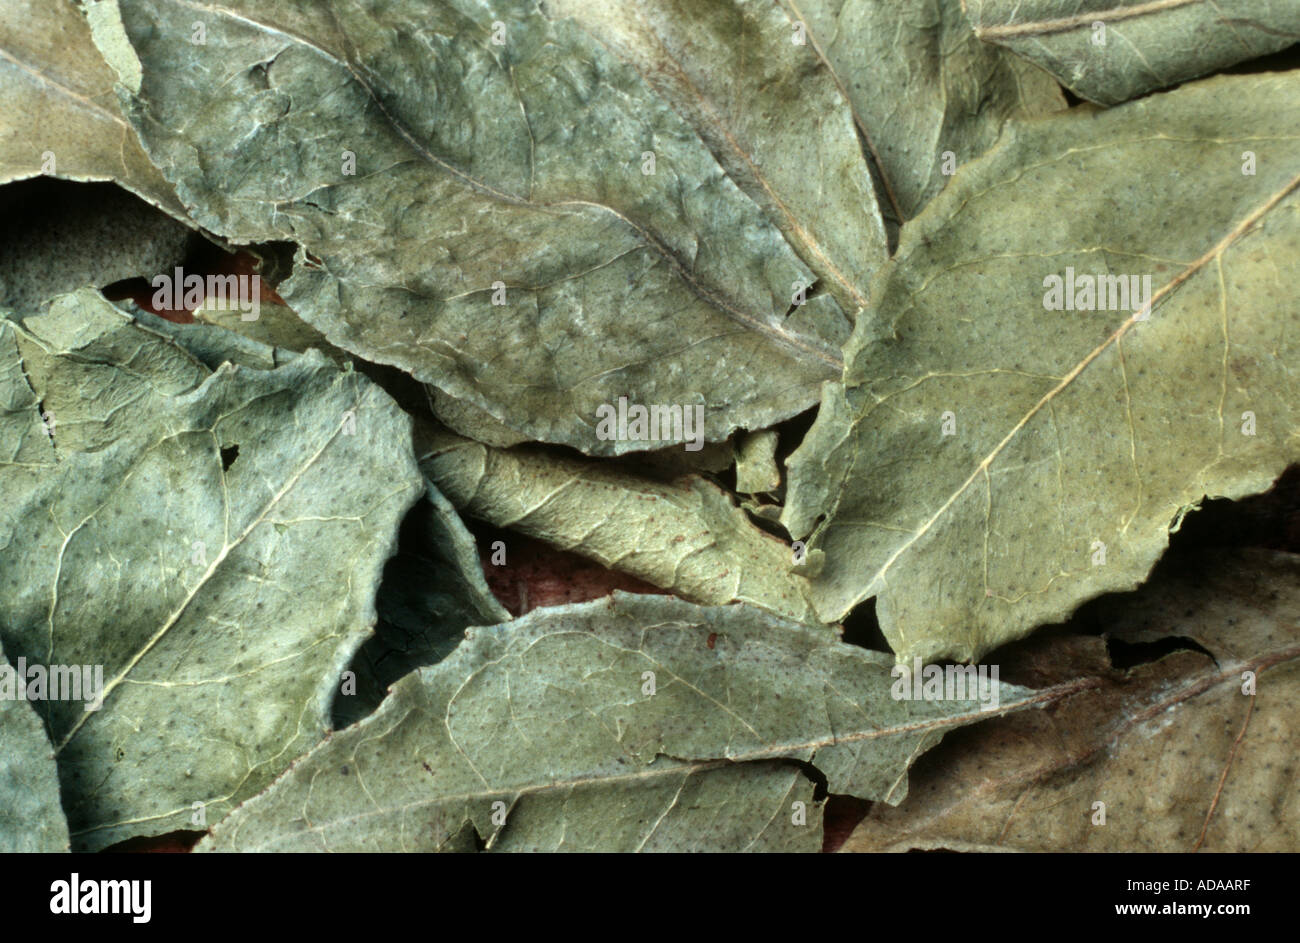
(293,290)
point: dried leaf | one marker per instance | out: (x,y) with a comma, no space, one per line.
(1179,758)
(541,734)
(687,537)
(731,69)
(472,422)
(1109,51)
(166,524)
(71,127)
(31,817)
(756,469)
(991,463)
(622,254)
(927,96)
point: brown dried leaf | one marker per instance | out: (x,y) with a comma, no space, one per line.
(1181,758)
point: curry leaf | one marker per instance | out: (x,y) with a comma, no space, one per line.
(926,95)
(211,541)
(71,125)
(629,723)
(31,817)
(732,69)
(468,195)
(1109,51)
(1168,756)
(686,537)
(992,462)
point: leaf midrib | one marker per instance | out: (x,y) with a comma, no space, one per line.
(771,752)
(808,239)
(1212,253)
(818,351)
(1062,24)
(867,138)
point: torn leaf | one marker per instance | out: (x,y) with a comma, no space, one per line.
(491,201)
(211,541)
(1168,756)
(633,723)
(1006,448)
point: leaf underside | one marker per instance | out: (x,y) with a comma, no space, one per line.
(130,539)
(1078,437)
(547,724)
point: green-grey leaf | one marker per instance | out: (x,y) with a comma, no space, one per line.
(210,345)
(275,325)
(1078,438)
(468,420)
(686,537)
(56,93)
(223,594)
(731,69)
(756,469)
(31,816)
(517,165)
(1109,51)
(547,723)
(922,87)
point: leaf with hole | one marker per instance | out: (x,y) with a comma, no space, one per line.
(499,205)
(213,541)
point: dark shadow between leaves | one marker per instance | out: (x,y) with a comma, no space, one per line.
(178,842)
(862,628)
(419,620)
(1125,655)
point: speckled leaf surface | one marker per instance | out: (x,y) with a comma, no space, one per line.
(1077,438)
(52,75)
(921,86)
(770,112)
(57,237)
(1109,51)
(687,537)
(756,469)
(31,816)
(698,764)
(213,540)
(1181,759)
(512,172)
